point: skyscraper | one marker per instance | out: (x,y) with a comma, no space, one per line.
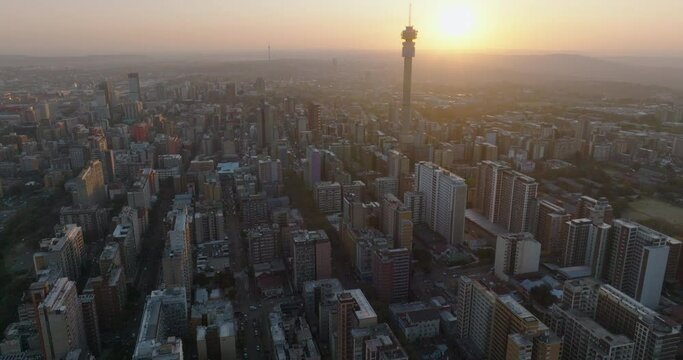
(516,194)
(585,244)
(488,188)
(550,222)
(311,256)
(88,187)
(622,325)
(177,259)
(516,254)
(164,321)
(511,322)
(577,242)
(637,261)
(134,87)
(313,169)
(655,336)
(408,35)
(397,221)
(445,198)
(265,127)
(474,311)
(398,164)
(61,321)
(598,210)
(64,253)
(353,311)
(391,274)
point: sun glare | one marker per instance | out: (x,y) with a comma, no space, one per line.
(457,21)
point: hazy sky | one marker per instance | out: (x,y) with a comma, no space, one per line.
(76,27)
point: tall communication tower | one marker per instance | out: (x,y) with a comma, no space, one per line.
(408,35)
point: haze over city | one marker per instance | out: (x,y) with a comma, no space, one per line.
(610,27)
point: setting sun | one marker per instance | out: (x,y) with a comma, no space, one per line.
(457,21)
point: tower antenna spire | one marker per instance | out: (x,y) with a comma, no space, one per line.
(410,14)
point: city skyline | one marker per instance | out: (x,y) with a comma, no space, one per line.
(43,28)
(492,206)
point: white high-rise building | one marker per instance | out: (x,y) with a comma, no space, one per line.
(445,199)
(516,254)
(637,261)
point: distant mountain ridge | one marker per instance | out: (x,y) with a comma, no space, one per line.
(433,67)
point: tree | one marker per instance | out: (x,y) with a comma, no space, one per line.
(424,260)
(225,279)
(201,280)
(542,294)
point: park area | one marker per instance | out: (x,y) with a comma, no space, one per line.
(646,208)
(658,214)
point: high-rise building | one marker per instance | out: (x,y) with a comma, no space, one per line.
(598,248)
(510,321)
(209,224)
(88,187)
(313,169)
(415,201)
(585,244)
(408,35)
(310,256)
(215,329)
(314,114)
(377,342)
(517,193)
(489,188)
(254,209)
(578,241)
(94,220)
(64,253)
(320,300)
(550,222)
(474,311)
(398,164)
(674,260)
(516,254)
(391,274)
(353,311)
(328,197)
(134,93)
(385,185)
(583,338)
(637,258)
(445,198)
(164,322)
(265,126)
(655,337)
(177,261)
(270,176)
(90,323)
(123,236)
(262,244)
(598,210)
(61,321)
(397,222)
